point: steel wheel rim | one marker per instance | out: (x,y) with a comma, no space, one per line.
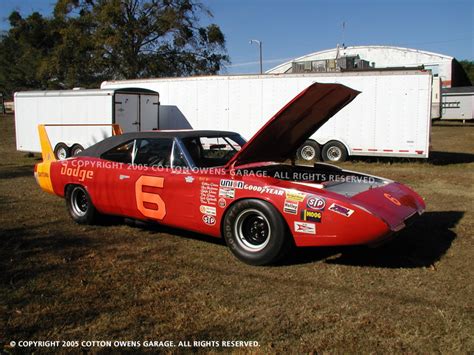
(79,202)
(308,152)
(252,230)
(334,153)
(62,154)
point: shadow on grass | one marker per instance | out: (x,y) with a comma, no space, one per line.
(181,233)
(448,158)
(20,244)
(420,245)
(16,171)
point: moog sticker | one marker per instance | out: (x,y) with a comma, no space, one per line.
(312,216)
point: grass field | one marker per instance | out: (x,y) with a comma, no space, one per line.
(62,281)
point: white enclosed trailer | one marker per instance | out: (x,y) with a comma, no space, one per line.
(80,118)
(458,103)
(391,116)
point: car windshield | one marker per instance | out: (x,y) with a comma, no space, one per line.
(212,151)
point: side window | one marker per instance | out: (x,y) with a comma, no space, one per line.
(153,152)
(177,158)
(121,154)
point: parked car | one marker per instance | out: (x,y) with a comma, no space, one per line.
(251,193)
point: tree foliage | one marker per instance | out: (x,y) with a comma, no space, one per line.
(468,66)
(87,41)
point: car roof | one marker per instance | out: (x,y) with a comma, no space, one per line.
(101,147)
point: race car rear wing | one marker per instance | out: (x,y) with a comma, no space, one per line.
(47,151)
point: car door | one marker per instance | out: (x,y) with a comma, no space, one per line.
(141,183)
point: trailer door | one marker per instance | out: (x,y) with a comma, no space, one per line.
(149,112)
(127,111)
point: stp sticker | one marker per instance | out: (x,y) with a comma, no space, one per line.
(312,216)
(209,220)
(303,227)
(316,203)
(341,210)
(208,210)
(290,207)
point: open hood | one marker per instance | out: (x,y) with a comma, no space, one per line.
(285,132)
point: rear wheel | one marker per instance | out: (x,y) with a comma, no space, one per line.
(309,151)
(255,232)
(334,151)
(61,151)
(76,149)
(79,205)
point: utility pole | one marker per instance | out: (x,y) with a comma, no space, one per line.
(260,49)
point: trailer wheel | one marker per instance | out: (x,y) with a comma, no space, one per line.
(76,149)
(61,151)
(309,151)
(334,151)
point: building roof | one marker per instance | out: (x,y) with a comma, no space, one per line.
(331,53)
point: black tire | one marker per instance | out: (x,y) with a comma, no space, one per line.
(76,149)
(309,152)
(255,232)
(61,151)
(79,205)
(334,152)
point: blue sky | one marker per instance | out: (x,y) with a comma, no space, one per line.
(292,28)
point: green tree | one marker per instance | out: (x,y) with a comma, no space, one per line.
(88,41)
(147,38)
(468,66)
(24,51)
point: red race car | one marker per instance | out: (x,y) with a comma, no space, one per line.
(252,194)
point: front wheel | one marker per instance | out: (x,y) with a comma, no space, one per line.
(255,232)
(79,205)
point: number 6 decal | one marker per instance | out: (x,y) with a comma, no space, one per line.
(149,202)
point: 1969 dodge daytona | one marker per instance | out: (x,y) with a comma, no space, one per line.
(250,193)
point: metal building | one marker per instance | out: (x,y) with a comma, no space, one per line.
(445,67)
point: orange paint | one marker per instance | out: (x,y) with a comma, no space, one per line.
(150,204)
